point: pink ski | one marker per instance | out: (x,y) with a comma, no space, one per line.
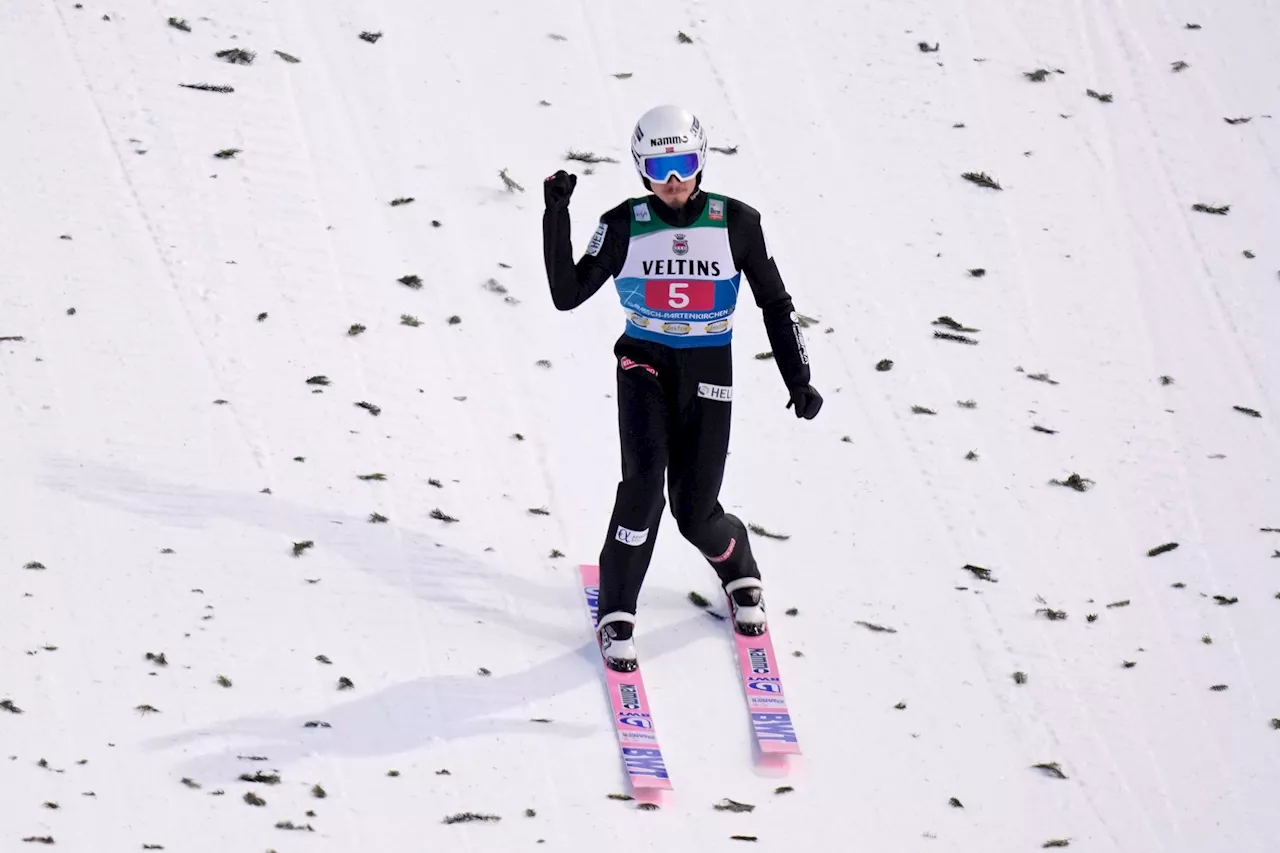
(632,719)
(766,702)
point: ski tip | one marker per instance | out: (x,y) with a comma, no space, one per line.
(651,783)
(776,765)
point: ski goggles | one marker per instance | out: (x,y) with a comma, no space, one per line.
(659,167)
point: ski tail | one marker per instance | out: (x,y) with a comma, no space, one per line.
(632,717)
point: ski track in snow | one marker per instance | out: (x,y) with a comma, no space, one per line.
(1099,274)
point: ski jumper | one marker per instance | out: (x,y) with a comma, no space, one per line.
(677,275)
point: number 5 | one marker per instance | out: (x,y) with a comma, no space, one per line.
(677,298)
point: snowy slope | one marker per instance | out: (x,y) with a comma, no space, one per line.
(161,450)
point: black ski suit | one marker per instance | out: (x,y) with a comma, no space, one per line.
(663,421)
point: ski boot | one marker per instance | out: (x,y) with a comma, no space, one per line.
(746,599)
(616,645)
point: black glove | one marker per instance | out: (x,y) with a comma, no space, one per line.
(807,401)
(557,189)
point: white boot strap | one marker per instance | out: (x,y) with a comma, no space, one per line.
(616,616)
(742,583)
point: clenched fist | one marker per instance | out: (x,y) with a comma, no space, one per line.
(557,189)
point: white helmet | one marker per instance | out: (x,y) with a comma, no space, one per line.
(668,140)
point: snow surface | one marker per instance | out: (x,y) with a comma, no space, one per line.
(1099,273)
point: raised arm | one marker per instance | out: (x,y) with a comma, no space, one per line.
(572,284)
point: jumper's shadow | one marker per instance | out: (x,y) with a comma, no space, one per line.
(405,716)
(401,557)
(413,714)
